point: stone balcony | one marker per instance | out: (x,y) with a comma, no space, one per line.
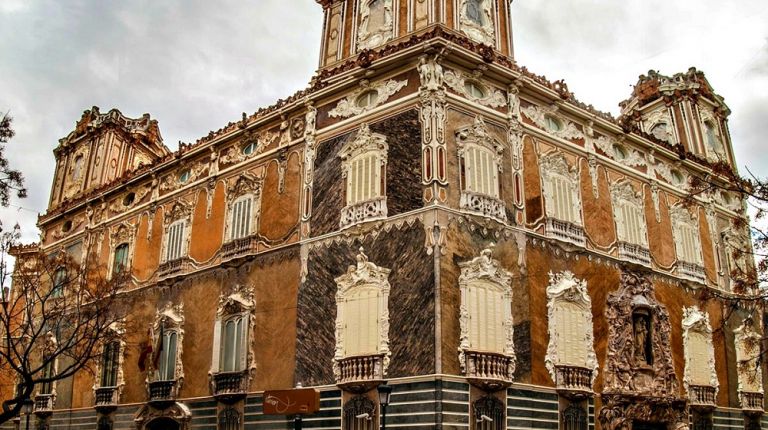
(483,205)
(106,398)
(634,253)
(692,272)
(162,392)
(702,396)
(43,404)
(574,381)
(360,373)
(565,231)
(237,248)
(368,210)
(173,268)
(230,386)
(490,371)
(751,401)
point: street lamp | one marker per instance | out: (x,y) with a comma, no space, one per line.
(27,409)
(385,391)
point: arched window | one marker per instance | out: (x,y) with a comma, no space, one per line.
(229,419)
(120,262)
(488,414)
(475,11)
(110,362)
(359,414)
(574,418)
(375,23)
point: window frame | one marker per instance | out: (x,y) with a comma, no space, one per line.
(238,304)
(362,203)
(175,241)
(556,175)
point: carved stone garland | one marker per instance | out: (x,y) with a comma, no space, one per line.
(696,323)
(566,293)
(374,31)
(239,301)
(482,32)
(487,270)
(639,379)
(350,105)
(478,135)
(235,154)
(245,184)
(171,181)
(618,151)
(363,275)
(457,81)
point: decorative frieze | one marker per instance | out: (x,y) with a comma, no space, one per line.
(367,97)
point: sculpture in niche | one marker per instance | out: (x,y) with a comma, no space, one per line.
(376,23)
(639,360)
(640,382)
(571,338)
(476,18)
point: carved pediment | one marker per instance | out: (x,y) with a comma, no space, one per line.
(239,300)
(244,184)
(180,210)
(639,359)
(364,141)
(478,134)
(363,273)
(485,268)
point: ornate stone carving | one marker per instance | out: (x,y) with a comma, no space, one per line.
(116,334)
(352,105)
(376,24)
(122,203)
(172,181)
(169,318)
(178,412)
(238,301)
(538,114)
(639,360)
(551,166)
(748,354)
(697,340)
(486,270)
(483,204)
(619,412)
(620,152)
(659,117)
(678,178)
(476,20)
(430,74)
(492,97)
(234,154)
(432,96)
(374,207)
(363,275)
(568,295)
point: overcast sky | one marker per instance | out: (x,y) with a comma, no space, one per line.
(195,65)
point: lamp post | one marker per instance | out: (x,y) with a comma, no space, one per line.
(27,409)
(385,391)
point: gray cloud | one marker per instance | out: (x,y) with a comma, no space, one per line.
(195,65)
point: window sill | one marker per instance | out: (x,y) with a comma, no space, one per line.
(44,404)
(369,210)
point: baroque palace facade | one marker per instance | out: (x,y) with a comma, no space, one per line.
(428,213)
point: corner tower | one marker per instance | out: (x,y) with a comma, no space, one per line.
(353,26)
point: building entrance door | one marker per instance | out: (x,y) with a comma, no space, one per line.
(643,425)
(162,424)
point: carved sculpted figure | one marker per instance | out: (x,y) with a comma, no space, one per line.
(641,340)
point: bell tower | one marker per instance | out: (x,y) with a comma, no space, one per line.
(353,26)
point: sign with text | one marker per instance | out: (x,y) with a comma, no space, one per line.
(299,401)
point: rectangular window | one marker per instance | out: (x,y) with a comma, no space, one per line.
(167,365)
(59,282)
(241,219)
(110,357)
(486,318)
(361,322)
(364,179)
(234,345)
(563,199)
(481,172)
(688,244)
(47,387)
(630,222)
(121,259)
(175,244)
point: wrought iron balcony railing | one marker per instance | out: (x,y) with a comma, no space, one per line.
(237,248)
(106,397)
(482,204)
(489,370)
(162,391)
(751,401)
(230,385)
(43,403)
(173,267)
(702,395)
(565,231)
(634,253)
(368,210)
(573,380)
